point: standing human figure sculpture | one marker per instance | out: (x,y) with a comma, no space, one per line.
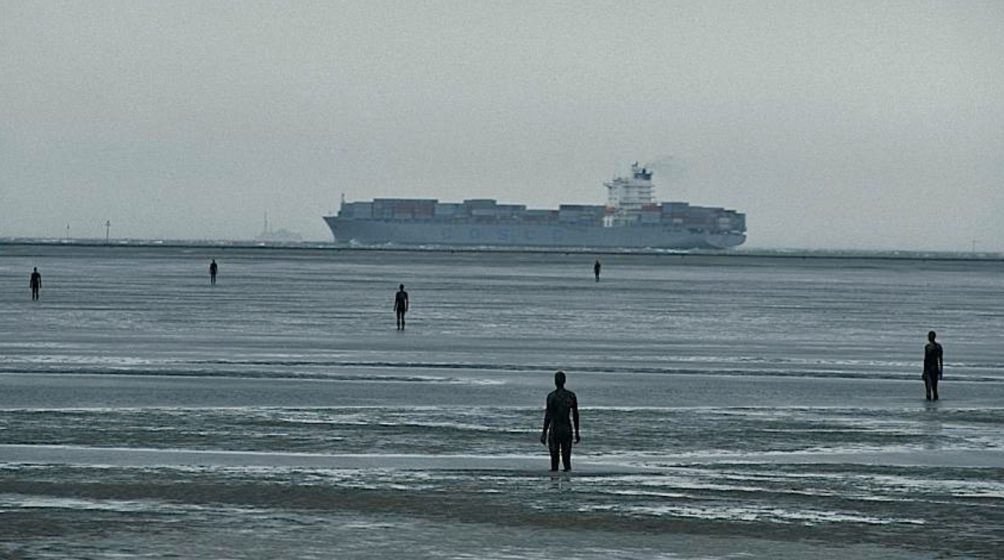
(400,306)
(35,283)
(934,366)
(213,268)
(557,432)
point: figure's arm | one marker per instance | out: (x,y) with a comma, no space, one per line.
(575,418)
(941,363)
(547,424)
(407,303)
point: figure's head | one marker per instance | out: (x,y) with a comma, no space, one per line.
(559,379)
(931,335)
(34,269)
(402,286)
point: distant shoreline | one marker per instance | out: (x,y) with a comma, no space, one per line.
(912,255)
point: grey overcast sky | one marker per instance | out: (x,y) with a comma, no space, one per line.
(831,124)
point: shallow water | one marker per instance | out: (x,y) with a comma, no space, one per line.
(732,406)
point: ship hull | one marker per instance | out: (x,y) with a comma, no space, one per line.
(655,236)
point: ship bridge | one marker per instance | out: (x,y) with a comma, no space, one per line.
(627,196)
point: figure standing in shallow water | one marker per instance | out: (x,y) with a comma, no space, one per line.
(557,432)
(212,272)
(933,366)
(400,306)
(35,283)
(596,269)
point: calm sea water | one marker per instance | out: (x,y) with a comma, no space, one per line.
(732,406)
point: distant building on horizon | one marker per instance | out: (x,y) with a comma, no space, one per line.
(277,236)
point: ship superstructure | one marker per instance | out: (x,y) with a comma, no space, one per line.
(628,196)
(630,219)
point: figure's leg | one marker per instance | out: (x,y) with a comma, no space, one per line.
(934,387)
(927,387)
(553,447)
(566,454)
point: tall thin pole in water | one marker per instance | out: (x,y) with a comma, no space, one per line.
(108,229)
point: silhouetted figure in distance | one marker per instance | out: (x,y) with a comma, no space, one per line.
(35,283)
(557,432)
(212,272)
(933,366)
(596,269)
(400,306)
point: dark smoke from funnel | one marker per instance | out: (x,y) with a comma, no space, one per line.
(670,176)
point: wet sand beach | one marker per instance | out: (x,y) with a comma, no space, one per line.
(731,407)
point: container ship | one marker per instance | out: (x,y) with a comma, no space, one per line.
(630,219)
